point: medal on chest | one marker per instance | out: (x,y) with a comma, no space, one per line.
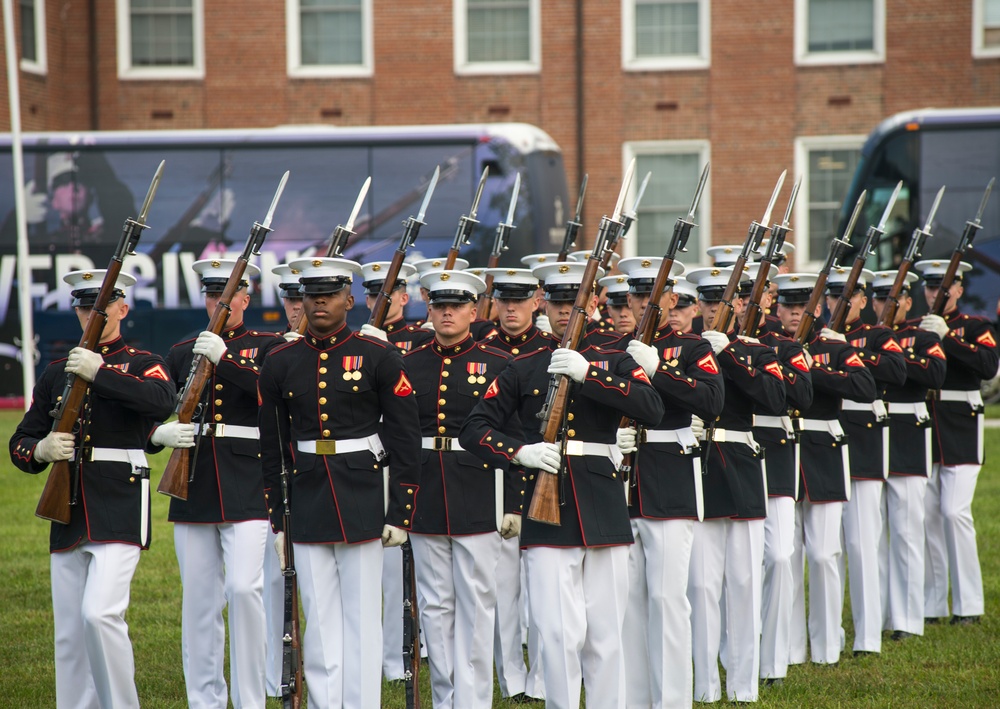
(352,368)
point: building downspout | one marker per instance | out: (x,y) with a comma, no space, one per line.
(580,171)
(92,20)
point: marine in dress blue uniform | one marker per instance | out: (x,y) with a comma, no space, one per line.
(576,572)
(728,548)
(776,434)
(94,557)
(220,531)
(838,373)
(867,427)
(970,344)
(455,537)
(666,496)
(328,393)
(901,547)
(516,298)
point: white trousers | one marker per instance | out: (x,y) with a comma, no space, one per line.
(862,522)
(534,685)
(821,524)
(732,552)
(90,593)
(274,615)
(901,554)
(778,587)
(456,595)
(508,655)
(578,597)
(392,613)
(340,587)
(951,552)
(220,565)
(797,633)
(656,635)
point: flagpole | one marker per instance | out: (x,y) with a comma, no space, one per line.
(23,271)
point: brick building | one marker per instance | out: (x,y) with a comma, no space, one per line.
(755,87)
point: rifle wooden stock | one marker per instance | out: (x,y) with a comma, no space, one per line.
(941,299)
(544,505)
(751,319)
(840,311)
(54,503)
(484,307)
(724,314)
(888,317)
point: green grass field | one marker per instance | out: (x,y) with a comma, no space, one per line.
(951,666)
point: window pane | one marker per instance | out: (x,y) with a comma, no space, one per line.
(332,32)
(830,173)
(499,31)
(29,50)
(991,13)
(666,28)
(667,197)
(162,33)
(841,25)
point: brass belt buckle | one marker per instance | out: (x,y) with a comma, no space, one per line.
(574,447)
(326,448)
(442,443)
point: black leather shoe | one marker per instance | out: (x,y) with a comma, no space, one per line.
(898,635)
(965,619)
(862,653)
(932,621)
(774,682)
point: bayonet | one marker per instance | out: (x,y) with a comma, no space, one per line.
(357,204)
(274,202)
(513,200)
(583,192)
(479,193)
(427,195)
(146,203)
(702,181)
(573,226)
(774,198)
(888,207)
(629,217)
(626,183)
(852,222)
(982,204)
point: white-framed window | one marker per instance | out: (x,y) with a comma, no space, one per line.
(674,167)
(839,31)
(32,28)
(986,28)
(161,39)
(827,165)
(330,38)
(665,34)
(497,36)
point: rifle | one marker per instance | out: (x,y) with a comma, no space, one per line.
(411,631)
(466,224)
(724,315)
(291,640)
(838,316)
(888,317)
(963,245)
(573,225)
(650,319)
(751,319)
(837,248)
(485,304)
(338,241)
(411,227)
(55,501)
(178,471)
(545,500)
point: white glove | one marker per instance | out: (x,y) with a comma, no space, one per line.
(717,340)
(544,456)
(626,439)
(36,204)
(174,435)
(291,336)
(832,335)
(372,331)
(210,345)
(749,340)
(568,362)
(698,427)
(809,359)
(84,363)
(55,446)
(543,324)
(279,548)
(935,324)
(427,326)
(393,536)
(647,356)
(511,526)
